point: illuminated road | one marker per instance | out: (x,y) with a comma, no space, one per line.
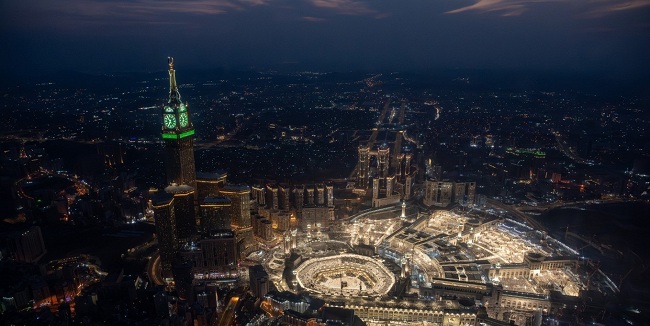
(227,317)
(569,152)
(270,311)
(397,148)
(373,136)
(153,269)
(375,131)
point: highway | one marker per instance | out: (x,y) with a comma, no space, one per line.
(568,151)
(228,315)
(373,136)
(397,148)
(153,269)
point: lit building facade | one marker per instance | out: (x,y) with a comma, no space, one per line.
(438,193)
(239,211)
(26,245)
(214,256)
(209,184)
(162,204)
(443,193)
(363,167)
(259,281)
(183,211)
(214,214)
(259,195)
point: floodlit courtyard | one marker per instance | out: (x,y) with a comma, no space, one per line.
(345,274)
(502,244)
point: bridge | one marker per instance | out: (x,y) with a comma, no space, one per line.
(516,212)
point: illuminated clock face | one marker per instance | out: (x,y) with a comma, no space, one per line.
(182,118)
(170,121)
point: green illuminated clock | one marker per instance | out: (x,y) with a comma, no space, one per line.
(170,121)
(182,118)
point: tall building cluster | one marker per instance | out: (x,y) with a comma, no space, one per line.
(444,193)
(296,206)
(391,178)
(206,222)
(24,245)
(199,217)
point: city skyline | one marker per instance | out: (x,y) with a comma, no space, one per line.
(356,192)
(603,37)
(330,162)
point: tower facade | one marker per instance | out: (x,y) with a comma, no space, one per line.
(214,215)
(383,154)
(26,245)
(363,166)
(162,204)
(184,211)
(239,210)
(178,135)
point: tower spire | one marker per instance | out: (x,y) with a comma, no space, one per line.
(174,95)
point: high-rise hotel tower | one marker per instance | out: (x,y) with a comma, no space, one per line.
(178,135)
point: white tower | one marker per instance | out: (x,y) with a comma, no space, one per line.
(294,235)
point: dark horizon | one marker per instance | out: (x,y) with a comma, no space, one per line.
(469,79)
(607,38)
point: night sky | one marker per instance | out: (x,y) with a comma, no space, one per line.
(583,36)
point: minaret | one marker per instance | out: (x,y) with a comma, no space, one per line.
(178,135)
(403,210)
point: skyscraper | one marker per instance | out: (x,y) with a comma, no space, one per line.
(178,135)
(25,245)
(239,211)
(259,280)
(363,166)
(383,154)
(214,256)
(163,207)
(208,184)
(438,193)
(184,211)
(214,215)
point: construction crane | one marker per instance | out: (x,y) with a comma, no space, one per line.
(596,267)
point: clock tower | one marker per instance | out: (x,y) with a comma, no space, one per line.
(178,135)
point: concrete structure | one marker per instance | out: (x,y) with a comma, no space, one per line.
(258,193)
(184,211)
(272,197)
(258,281)
(214,214)
(313,215)
(209,184)
(438,193)
(162,204)
(363,167)
(239,211)
(383,156)
(25,245)
(213,257)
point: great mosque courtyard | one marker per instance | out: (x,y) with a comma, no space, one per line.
(345,274)
(430,257)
